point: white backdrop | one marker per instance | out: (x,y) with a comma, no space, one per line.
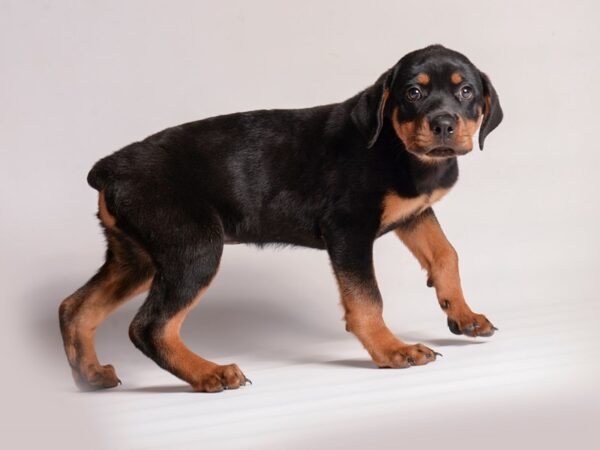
(80,79)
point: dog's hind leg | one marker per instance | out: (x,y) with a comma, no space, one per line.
(187,256)
(127,272)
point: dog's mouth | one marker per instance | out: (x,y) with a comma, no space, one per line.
(445,152)
(441,152)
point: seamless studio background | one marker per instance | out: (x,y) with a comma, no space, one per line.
(79,80)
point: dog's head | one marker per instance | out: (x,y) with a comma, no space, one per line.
(436,101)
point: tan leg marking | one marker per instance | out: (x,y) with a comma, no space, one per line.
(80,315)
(363,315)
(201,374)
(427,242)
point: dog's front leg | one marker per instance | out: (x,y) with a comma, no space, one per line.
(352,261)
(425,239)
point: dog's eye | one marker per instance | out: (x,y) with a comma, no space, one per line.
(466,92)
(413,94)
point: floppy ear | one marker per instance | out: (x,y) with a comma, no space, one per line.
(492,112)
(368,113)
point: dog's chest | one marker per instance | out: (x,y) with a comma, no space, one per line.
(396,208)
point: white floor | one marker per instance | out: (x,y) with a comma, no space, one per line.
(533,383)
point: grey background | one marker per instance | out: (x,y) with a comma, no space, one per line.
(79,80)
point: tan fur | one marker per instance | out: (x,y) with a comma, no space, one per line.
(436,255)
(363,316)
(488,105)
(385,96)
(397,208)
(423,79)
(185,363)
(104,215)
(81,314)
(415,134)
(406,131)
(201,374)
(384,99)
(456,78)
(465,129)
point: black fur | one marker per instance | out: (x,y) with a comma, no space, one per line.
(312,177)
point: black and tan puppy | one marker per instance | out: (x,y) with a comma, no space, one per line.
(333,177)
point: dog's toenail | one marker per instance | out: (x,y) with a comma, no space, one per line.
(454,328)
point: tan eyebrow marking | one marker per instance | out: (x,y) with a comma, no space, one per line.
(456,78)
(423,78)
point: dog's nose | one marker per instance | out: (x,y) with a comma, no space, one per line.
(443,125)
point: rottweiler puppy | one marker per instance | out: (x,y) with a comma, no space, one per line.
(333,177)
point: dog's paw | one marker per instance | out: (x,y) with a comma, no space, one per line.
(404,356)
(220,378)
(95,377)
(472,325)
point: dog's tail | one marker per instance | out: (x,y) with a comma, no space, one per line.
(123,164)
(101,174)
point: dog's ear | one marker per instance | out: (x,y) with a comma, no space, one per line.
(492,112)
(368,113)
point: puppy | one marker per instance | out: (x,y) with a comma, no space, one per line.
(333,177)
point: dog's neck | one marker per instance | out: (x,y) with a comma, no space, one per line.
(428,176)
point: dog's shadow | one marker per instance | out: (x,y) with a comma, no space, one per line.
(163,389)
(441,342)
(224,323)
(368,364)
